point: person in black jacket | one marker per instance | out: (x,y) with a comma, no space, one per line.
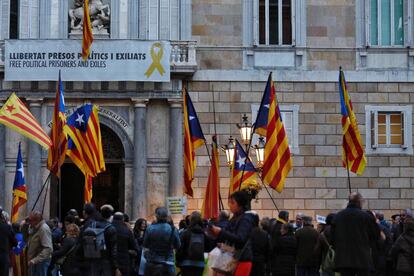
(239,230)
(354,234)
(70,266)
(190,256)
(285,250)
(260,241)
(139,231)
(7,241)
(107,265)
(403,250)
(126,244)
(307,259)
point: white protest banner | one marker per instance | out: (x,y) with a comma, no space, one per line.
(109,60)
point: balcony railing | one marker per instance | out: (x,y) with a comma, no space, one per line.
(183,57)
(182,60)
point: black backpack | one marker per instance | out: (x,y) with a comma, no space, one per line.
(196,246)
(93,241)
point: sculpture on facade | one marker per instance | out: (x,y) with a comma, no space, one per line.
(99,13)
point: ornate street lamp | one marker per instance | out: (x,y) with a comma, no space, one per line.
(245,130)
(229,149)
(259,148)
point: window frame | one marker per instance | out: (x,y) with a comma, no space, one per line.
(256,27)
(373,148)
(294,109)
(407,25)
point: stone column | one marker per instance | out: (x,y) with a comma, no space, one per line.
(176,148)
(139,206)
(2,163)
(34,166)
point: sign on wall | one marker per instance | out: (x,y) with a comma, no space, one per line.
(110,60)
(177,205)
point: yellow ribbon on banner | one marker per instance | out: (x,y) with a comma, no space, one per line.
(156,60)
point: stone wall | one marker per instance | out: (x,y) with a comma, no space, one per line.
(317,184)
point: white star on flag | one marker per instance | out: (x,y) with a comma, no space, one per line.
(21,169)
(241,161)
(266,105)
(191,118)
(80,119)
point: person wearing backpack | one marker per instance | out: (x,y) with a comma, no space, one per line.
(190,256)
(403,250)
(160,240)
(98,243)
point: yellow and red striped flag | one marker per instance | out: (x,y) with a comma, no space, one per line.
(87,35)
(193,139)
(210,207)
(277,158)
(352,150)
(15,115)
(87,193)
(57,151)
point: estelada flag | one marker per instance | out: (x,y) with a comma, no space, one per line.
(243,172)
(57,151)
(15,115)
(277,159)
(193,139)
(85,141)
(87,35)
(19,187)
(352,150)
(210,207)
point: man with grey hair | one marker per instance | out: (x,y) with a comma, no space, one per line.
(7,240)
(354,236)
(160,239)
(39,247)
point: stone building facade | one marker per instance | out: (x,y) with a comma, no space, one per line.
(225,50)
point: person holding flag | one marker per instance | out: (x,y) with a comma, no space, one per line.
(277,158)
(193,139)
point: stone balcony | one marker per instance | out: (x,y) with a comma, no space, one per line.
(183,57)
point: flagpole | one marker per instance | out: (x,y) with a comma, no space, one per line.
(221,205)
(271,197)
(347,169)
(41,191)
(44,199)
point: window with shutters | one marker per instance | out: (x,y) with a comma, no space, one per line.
(388,129)
(388,22)
(290,119)
(14,19)
(160,19)
(275,22)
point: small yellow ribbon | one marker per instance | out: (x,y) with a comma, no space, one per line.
(156,60)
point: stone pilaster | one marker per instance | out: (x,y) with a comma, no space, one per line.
(139,206)
(34,166)
(176,148)
(2,163)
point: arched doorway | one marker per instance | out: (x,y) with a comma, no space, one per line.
(108,186)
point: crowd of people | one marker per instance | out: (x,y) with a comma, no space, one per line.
(352,241)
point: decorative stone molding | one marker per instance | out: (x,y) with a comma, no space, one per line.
(138,102)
